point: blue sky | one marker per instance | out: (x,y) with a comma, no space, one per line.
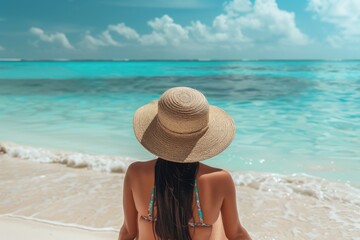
(180,29)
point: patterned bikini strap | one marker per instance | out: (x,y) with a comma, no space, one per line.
(151,203)
(201,217)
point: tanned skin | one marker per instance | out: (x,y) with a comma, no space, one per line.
(217,196)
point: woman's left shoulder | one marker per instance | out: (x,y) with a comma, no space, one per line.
(139,167)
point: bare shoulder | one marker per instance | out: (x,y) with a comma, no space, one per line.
(218,175)
(139,168)
(140,165)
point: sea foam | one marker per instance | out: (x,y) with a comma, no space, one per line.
(101,163)
(271,206)
(299,183)
(282,185)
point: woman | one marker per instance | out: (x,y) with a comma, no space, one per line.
(175,196)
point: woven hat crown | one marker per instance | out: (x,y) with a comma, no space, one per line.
(183,110)
(182,127)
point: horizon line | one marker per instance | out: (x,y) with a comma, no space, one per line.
(170,60)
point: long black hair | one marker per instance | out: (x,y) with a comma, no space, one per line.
(174,188)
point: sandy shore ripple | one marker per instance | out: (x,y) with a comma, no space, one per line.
(15,228)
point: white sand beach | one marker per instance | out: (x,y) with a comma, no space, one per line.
(15,228)
(53,201)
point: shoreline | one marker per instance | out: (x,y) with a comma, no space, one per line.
(15,228)
(69,196)
(270,206)
(113,163)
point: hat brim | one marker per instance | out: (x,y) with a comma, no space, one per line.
(189,148)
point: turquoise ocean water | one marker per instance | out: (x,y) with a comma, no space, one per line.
(291,116)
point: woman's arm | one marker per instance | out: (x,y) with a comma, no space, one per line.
(129,229)
(233,228)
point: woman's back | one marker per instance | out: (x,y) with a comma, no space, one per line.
(182,129)
(214,185)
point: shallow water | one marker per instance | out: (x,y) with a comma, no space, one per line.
(291,116)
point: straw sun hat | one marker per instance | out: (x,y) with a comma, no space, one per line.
(182,127)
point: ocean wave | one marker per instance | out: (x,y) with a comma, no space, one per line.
(319,207)
(283,185)
(103,163)
(299,183)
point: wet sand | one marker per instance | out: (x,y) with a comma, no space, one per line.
(44,198)
(15,228)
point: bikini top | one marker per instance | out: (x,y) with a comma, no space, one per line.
(201,222)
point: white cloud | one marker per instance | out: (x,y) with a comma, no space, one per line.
(344,15)
(106,39)
(124,31)
(202,33)
(154,38)
(237,6)
(103,40)
(92,42)
(165,31)
(176,4)
(51,38)
(242,24)
(261,22)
